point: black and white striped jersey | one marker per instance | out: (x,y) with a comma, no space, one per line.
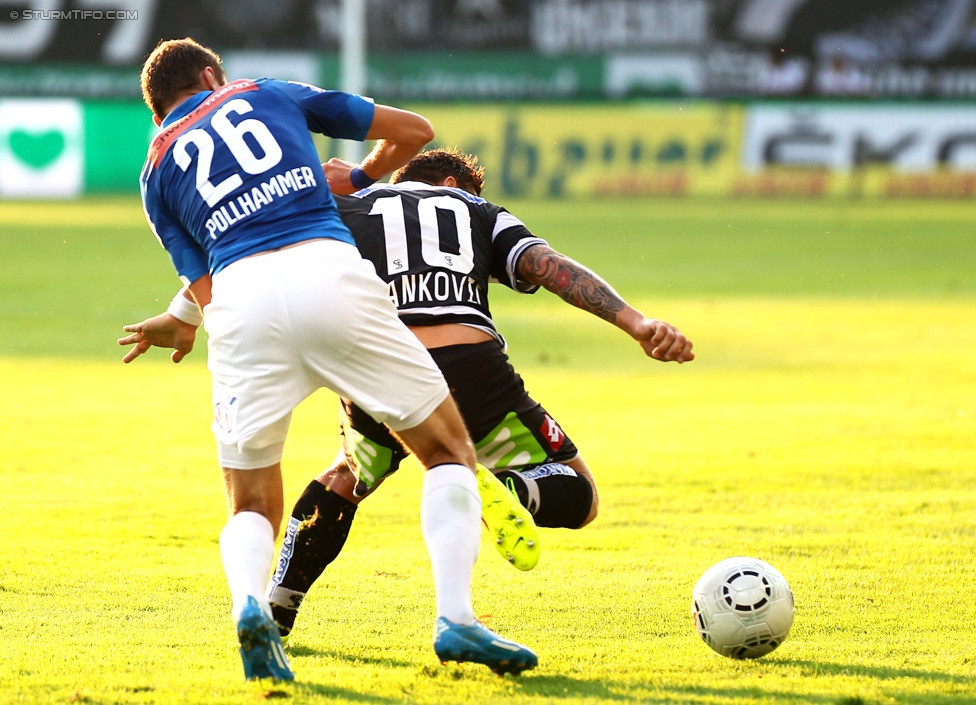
(438,248)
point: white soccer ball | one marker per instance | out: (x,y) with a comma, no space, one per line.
(742,607)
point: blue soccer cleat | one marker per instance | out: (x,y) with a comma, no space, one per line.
(261,649)
(476,643)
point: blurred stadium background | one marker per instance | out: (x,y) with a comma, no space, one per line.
(560,98)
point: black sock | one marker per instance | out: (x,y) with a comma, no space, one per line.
(316,533)
(517,484)
(565,497)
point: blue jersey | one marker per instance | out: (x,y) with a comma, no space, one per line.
(234,172)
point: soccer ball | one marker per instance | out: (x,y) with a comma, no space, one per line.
(742,607)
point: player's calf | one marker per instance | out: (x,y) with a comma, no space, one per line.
(555,494)
(316,533)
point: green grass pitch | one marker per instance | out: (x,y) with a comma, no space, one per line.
(827,427)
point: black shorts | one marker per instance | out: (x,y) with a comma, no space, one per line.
(511,431)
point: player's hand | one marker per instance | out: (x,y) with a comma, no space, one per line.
(162,331)
(663,341)
(337,174)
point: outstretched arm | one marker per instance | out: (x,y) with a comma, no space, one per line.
(579,286)
(176,329)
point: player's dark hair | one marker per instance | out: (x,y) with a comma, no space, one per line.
(173,67)
(435,165)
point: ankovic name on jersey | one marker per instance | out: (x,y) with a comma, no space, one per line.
(437,248)
(435,287)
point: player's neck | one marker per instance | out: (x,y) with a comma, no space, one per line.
(207,81)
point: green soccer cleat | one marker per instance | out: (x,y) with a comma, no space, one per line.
(476,643)
(261,649)
(510,524)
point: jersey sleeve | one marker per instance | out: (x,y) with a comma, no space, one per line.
(510,238)
(330,113)
(188,257)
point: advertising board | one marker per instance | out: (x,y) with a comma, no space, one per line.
(892,149)
(561,151)
(51,148)
(58,148)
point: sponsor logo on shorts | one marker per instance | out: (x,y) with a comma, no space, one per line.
(224,416)
(550,429)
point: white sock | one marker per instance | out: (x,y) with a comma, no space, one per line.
(450,517)
(247,550)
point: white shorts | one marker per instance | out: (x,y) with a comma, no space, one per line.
(285,323)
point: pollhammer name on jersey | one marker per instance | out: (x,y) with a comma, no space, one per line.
(279,185)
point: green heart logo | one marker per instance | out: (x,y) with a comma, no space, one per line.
(37,149)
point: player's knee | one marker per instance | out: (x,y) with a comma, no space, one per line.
(458,448)
(594,506)
(584,472)
(342,480)
(443,453)
(582,503)
(442,438)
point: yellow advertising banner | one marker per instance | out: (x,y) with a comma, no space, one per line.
(572,150)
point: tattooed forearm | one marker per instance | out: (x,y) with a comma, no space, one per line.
(570,280)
